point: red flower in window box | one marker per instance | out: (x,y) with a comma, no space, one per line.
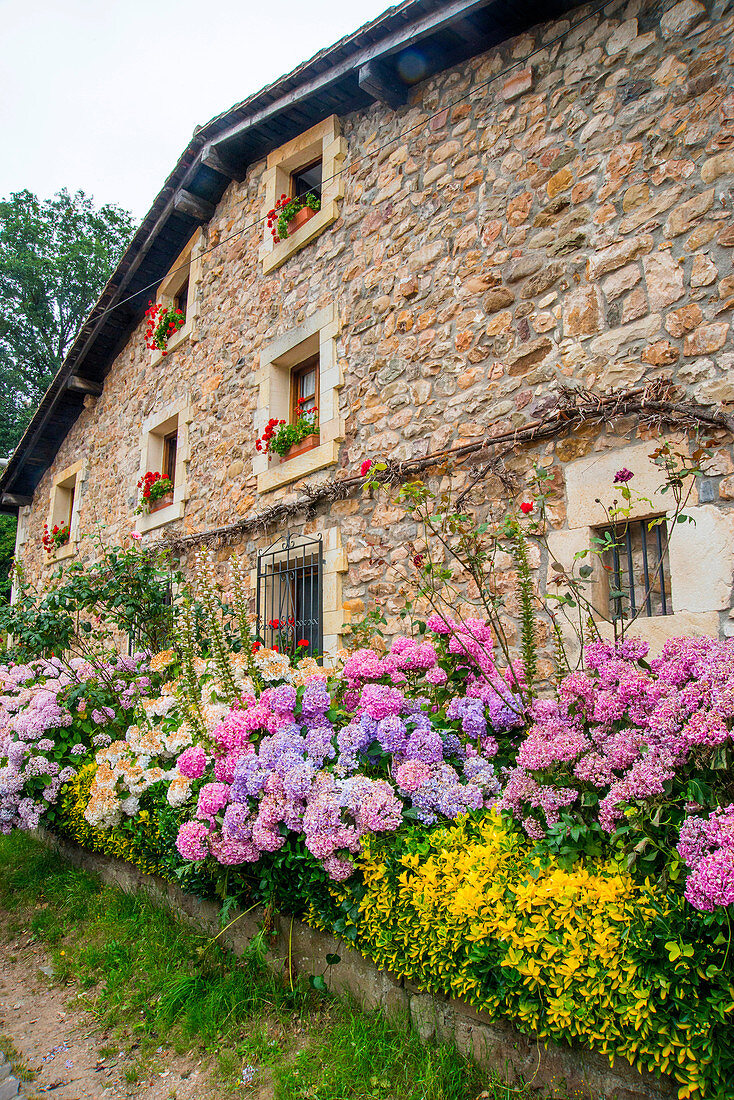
(58,536)
(288,215)
(157,492)
(289,440)
(163,322)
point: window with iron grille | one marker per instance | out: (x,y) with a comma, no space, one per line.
(636,568)
(290,595)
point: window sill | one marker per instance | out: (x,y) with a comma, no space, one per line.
(186,333)
(63,552)
(149,521)
(292,469)
(283,250)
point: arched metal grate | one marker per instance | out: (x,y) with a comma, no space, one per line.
(290,595)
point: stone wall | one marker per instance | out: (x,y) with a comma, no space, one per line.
(557,1071)
(566,221)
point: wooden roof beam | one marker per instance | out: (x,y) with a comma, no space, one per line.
(185,202)
(15,500)
(83,385)
(384,86)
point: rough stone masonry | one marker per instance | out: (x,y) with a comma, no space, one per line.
(558,210)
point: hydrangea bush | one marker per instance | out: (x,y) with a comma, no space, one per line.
(53,716)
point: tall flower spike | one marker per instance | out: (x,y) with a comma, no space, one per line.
(211,599)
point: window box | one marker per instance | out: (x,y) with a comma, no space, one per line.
(162,502)
(306,444)
(304,215)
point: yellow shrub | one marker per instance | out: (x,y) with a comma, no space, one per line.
(468,910)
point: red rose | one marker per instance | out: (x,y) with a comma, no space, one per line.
(365,467)
(526,507)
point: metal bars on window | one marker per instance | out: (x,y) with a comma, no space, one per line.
(639,570)
(290,595)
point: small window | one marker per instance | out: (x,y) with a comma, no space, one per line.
(181,298)
(636,568)
(289,596)
(170,443)
(305,389)
(307,181)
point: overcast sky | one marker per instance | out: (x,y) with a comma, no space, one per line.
(103,95)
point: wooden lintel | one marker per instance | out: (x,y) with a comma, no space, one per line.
(188,203)
(210,158)
(83,385)
(15,500)
(383,86)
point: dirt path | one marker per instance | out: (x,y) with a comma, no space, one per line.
(56,1037)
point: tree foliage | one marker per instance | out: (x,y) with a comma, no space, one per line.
(7,550)
(55,257)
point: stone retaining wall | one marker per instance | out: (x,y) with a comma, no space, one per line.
(558,1071)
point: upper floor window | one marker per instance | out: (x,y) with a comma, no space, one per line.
(309,165)
(636,568)
(179,290)
(305,389)
(307,181)
(164,449)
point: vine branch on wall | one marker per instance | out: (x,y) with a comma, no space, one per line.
(658,404)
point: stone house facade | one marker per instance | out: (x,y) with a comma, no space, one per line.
(507,210)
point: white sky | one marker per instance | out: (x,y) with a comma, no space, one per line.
(103,95)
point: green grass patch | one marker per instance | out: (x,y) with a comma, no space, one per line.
(151,980)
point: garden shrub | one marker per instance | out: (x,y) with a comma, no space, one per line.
(474,910)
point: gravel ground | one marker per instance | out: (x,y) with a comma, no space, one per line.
(56,1037)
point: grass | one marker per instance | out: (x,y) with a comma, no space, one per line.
(146,976)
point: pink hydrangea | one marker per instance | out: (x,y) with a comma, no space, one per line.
(192,762)
(191,840)
(213,797)
(411,775)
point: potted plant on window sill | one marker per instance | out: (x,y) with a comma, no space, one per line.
(54,539)
(289,440)
(157,493)
(163,322)
(288,215)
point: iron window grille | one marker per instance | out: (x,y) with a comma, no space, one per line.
(637,568)
(290,595)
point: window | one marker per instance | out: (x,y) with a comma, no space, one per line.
(305,390)
(164,446)
(289,595)
(169,456)
(301,366)
(180,290)
(181,298)
(636,568)
(309,164)
(64,506)
(307,181)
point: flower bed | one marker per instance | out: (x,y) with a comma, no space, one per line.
(563,863)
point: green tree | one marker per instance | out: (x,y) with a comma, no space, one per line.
(7,550)
(55,257)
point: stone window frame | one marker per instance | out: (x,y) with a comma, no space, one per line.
(21,538)
(175,416)
(72,477)
(323,141)
(187,265)
(335,565)
(318,333)
(698,597)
